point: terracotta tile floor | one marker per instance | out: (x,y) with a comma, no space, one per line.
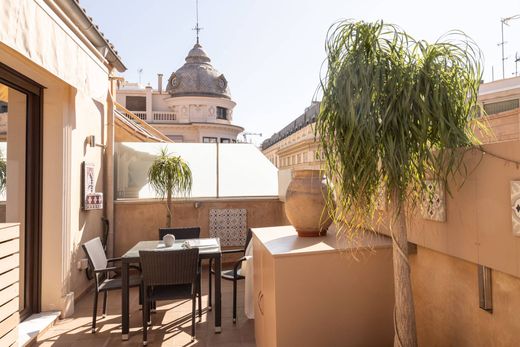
(171,325)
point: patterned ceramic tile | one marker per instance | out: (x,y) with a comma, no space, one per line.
(230,224)
(434,205)
(515,205)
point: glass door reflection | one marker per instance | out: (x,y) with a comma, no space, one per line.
(13,117)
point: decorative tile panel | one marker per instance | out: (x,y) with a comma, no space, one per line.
(515,206)
(229,224)
(433,204)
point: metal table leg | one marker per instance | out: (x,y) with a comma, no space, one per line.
(124,301)
(218,298)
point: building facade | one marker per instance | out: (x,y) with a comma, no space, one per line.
(195,106)
(295,146)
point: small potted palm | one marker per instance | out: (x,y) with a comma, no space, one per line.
(168,176)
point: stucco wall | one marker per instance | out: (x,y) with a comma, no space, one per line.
(447,303)
(137,220)
(478,230)
(479,214)
(37,43)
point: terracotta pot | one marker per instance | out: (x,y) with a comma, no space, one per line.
(305,203)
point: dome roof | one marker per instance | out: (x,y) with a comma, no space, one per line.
(197,77)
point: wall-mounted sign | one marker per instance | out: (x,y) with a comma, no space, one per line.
(94,201)
(91,200)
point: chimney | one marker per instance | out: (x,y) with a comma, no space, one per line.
(159,82)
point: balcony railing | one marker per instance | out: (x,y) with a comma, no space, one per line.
(140,125)
(161,116)
(157,116)
(140,114)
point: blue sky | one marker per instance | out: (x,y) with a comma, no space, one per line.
(271,51)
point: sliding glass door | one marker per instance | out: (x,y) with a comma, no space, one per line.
(20,177)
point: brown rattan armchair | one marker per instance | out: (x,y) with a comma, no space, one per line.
(98,262)
(169,275)
(184,234)
(231,274)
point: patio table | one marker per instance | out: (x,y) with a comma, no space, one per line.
(132,256)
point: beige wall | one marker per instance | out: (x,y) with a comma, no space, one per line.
(47,50)
(478,230)
(447,303)
(137,220)
(479,215)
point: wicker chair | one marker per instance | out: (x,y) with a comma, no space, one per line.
(232,274)
(169,275)
(98,262)
(184,234)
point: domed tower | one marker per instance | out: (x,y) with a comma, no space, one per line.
(200,98)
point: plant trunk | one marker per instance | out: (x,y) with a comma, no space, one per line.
(405,333)
(169,208)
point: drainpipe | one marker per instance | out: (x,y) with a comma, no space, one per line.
(109,167)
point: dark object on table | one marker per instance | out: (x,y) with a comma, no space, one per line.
(169,275)
(98,262)
(180,233)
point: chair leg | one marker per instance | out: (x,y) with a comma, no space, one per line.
(209,283)
(105,303)
(193,317)
(150,304)
(145,320)
(199,293)
(94,312)
(234,301)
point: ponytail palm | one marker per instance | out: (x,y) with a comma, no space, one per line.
(395,112)
(169,175)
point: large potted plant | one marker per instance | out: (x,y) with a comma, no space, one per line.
(306,204)
(170,175)
(395,112)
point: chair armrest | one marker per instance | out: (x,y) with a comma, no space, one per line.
(136,267)
(237,264)
(229,251)
(113,259)
(108,269)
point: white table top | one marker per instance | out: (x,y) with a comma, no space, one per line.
(284,241)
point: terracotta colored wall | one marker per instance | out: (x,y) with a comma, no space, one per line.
(478,230)
(447,303)
(479,215)
(137,220)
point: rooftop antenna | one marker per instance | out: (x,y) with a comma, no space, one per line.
(197,27)
(505,21)
(140,71)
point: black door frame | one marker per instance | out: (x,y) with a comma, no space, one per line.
(33,184)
